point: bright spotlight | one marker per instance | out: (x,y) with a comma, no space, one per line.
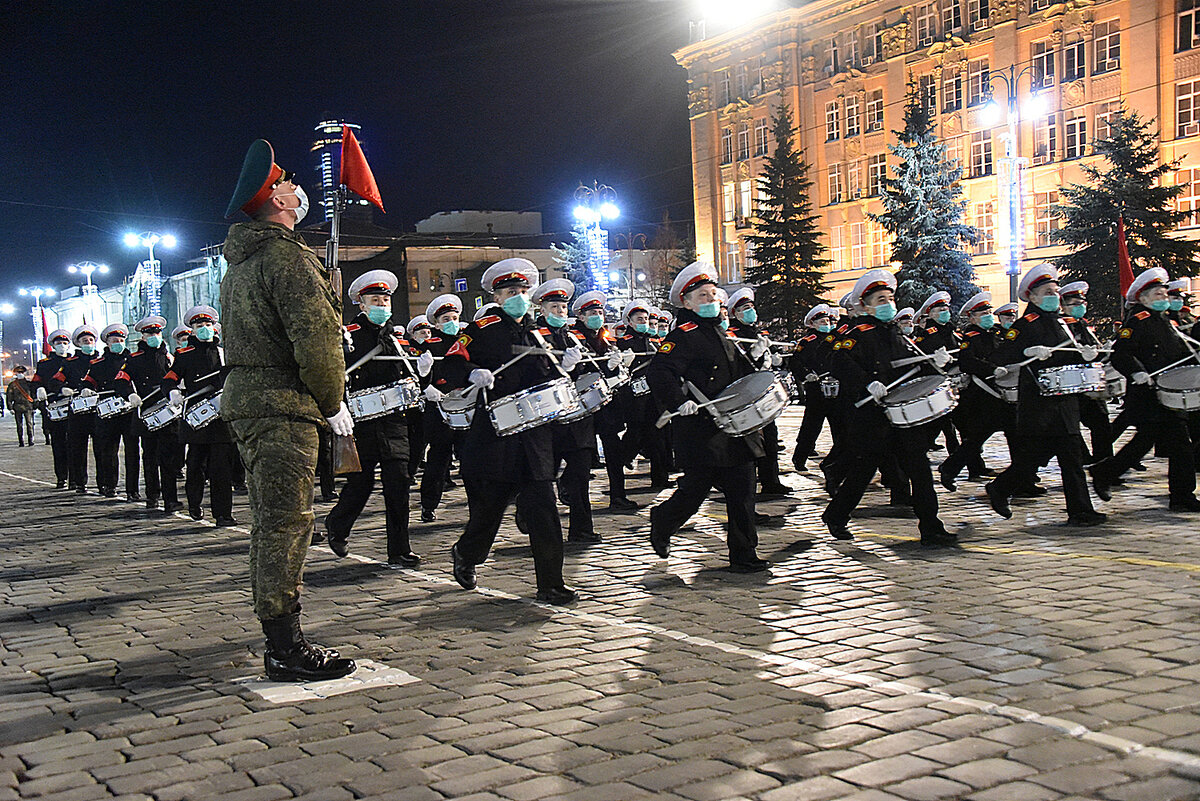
(582,213)
(103,268)
(7,308)
(169,241)
(613,275)
(71,269)
(991,113)
(1036,107)
(641,276)
(609,211)
(132,240)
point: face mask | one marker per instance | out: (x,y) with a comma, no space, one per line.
(449,328)
(987,321)
(1049,303)
(116,347)
(87,350)
(942,317)
(1176,303)
(153,341)
(554,321)
(1160,305)
(641,328)
(1078,310)
(594,321)
(203,333)
(60,348)
(884,311)
(302,209)
(1006,324)
(724,325)
(709,310)
(516,306)
(749,316)
(825,328)
(378,314)
(906,329)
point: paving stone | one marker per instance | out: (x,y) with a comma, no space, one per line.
(819,788)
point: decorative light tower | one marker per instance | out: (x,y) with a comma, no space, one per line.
(89,293)
(149,272)
(592,205)
(36,313)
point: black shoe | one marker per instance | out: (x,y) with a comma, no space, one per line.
(61,485)
(428,516)
(225,522)
(409,559)
(753,566)
(1189,504)
(801,465)
(986,472)
(81,490)
(584,538)
(171,507)
(662,485)
(938,539)
(936,447)
(622,506)
(761,519)
(317,538)
(133,497)
(1100,482)
(1141,468)
(1087,519)
(778,490)
(660,541)
(1032,491)
(195,513)
(450,484)
(328,497)
(839,531)
(556,596)
(947,480)
(152,503)
(999,502)
(464,573)
(239,488)
(108,492)
(901,499)
(290,657)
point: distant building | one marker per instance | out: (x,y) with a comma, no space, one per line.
(528,223)
(327,148)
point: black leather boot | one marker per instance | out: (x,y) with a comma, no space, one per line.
(290,657)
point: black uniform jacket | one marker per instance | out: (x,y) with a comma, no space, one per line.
(610,420)
(697,350)
(199,366)
(864,354)
(106,370)
(934,335)
(389,432)
(639,409)
(488,343)
(976,349)
(1038,414)
(73,371)
(46,375)
(145,370)
(1145,342)
(746,331)
(580,434)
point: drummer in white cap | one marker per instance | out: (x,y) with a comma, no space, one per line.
(1006,315)
(81,426)
(699,353)
(436,331)
(1147,344)
(47,386)
(1177,302)
(809,362)
(1046,425)
(906,321)
(146,367)
(497,470)
(111,432)
(863,364)
(641,435)
(1093,410)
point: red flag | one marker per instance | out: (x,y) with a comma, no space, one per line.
(45,334)
(1125,269)
(355,172)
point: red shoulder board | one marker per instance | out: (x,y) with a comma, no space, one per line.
(971,333)
(137,353)
(483,322)
(400,341)
(579,336)
(353,327)
(604,332)
(58,376)
(72,358)
(433,339)
(1068,320)
(185,350)
(688,327)
(809,338)
(1031,316)
(97,360)
(1142,315)
(544,331)
(864,327)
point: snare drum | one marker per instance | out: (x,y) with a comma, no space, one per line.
(112,406)
(160,415)
(533,407)
(366,404)
(458,408)
(204,412)
(1179,388)
(84,404)
(750,403)
(789,383)
(59,409)
(1071,379)
(1114,385)
(640,385)
(830,387)
(920,400)
(594,390)
(1007,385)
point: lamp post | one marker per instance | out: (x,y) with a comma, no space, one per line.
(36,292)
(29,343)
(630,238)
(150,271)
(1012,229)
(592,205)
(89,289)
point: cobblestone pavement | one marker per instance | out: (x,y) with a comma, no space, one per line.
(1036,662)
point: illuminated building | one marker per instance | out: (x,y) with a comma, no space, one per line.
(327,147)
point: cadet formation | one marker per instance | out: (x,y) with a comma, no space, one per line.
(544,385)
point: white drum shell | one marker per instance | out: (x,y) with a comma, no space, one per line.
(160,415)
(367,404)
(594,391)
(1179,388)
(533,407)
(59,409)
(1071,379)
(920,401)
(640,385)
(112,406)
(84,404)
(458,409)
(204,412)
(750,403)
(1007,386)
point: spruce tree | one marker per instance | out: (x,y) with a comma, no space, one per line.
(923,210)
(789,260)
(1133,182)
(574,256)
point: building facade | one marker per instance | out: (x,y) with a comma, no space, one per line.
(843,67)
(327,151)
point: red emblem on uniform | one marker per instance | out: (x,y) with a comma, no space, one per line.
(352,327)
(687,327)
(482,322)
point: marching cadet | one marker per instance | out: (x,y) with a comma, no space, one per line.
(111,432)
(497,470)
(417,331)
(862,363)
(444,314)
(1006,315)
(19,394)
(81,425)
(936,331)
(905,321)
(574,442)
(1147,343)
(199,371)
(146,367)
(1046,425)
(48,387)
(809,363)
(641,436)
(1093,410)
(699,352)
(743,316)
(1177,301)
(836,462)
(381,441)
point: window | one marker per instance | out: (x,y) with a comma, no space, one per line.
(837,246)
(727,209)
(746,202)
(1107,36)
(979,13)
(1187,108)
(733,260)
(1044,220)
(951,17)
(977,81)
(833,60)
(1075,135)
(1043,64)
(726,145)
(760,138)
(880,244)
(926,24)
(1189,201)
(1074,60)
(743,142)
(851,50)
(1045,139)
(854,180)
(927,92)
(981,153)
(1104,114)
(836,185)
(1188,32)
(833,125)
(876,172)
(954,154)
(853,120)
(859,245)
(871,49)
(985,222)
(952,89)
(724,90)
(1039,5)
(875,111)
(743,80)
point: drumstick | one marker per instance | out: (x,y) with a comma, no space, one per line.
(769,342)
(1187,358)
(665,417)
(889,387)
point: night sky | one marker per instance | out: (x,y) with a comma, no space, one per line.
(135,116)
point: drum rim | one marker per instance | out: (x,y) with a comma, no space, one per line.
(942,382)
(1175,371)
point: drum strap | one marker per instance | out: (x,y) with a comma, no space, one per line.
(984,386)
(549,353)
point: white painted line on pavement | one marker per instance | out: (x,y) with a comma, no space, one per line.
(368,675)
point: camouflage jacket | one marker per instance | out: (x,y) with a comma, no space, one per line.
(281,327)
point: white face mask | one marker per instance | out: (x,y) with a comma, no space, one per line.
(302,209)
(60,348)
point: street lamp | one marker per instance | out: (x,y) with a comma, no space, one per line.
(36,292)
(1011,191)
(29,343)
(593,204)
(87,268)
(150,271)
(630,239)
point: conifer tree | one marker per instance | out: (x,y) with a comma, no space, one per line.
(575,258)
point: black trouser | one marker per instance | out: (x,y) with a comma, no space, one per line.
(768,466)
(80,429)
(111,432)
(1093,413)
(325,462)
(573,489)
(170,457)
(1030,451)
(358,489)
(56,430)
(154,462)
(487,500)
(613,465)
(416,439)
(24,420)
(866,454)
(437,462)
(213,461)
(1168,430)
(648,440)
(815,410)
(736,484)
(836,462)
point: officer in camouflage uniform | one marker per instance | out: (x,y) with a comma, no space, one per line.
(283,350)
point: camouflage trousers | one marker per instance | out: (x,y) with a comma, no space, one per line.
(281,460)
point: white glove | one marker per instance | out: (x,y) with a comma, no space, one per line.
(1000,372)
(342,423)
(41,393)
(424,363)
(1140,378)
(571,358)
(877,390)
(776,360)
(482,378)
(1040,352)
(1089,353)
(759,347)
(175,398)
(811,377)
(941,357)
(687,408)
(87,392)
(628,356)
(135,400)
(67,392)
(434,394)
(614,360)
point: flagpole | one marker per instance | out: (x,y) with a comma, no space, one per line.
(331,247)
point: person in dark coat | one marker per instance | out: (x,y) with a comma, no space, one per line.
(48,388)
(116,430)
(641,435)
(145,370)
(809,363)
(81,425)
(1093,409)
(444,316)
